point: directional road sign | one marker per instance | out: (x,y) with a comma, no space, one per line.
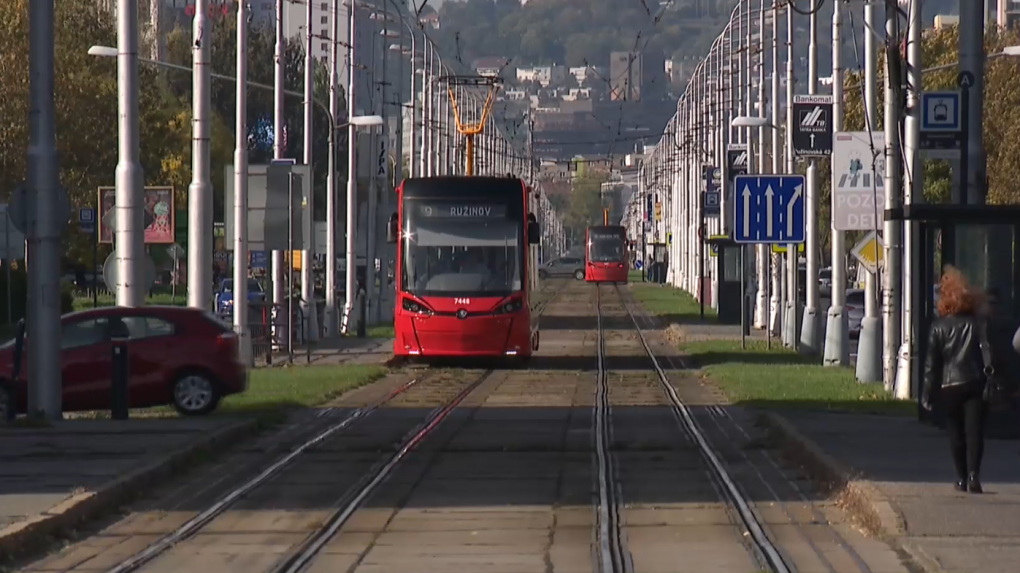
(941,133)
(769,209)
(812,133)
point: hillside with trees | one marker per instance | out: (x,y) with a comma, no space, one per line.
(577,32)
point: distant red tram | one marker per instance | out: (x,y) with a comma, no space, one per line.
(606,258)
(465,260)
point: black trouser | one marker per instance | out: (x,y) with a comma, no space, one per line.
(965,419)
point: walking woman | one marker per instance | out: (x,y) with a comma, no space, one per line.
(955,374)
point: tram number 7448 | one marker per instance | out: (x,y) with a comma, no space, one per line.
(461,301)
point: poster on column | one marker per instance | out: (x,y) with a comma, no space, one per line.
(858,168)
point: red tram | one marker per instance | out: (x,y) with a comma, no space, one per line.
(465,250)
(605,256)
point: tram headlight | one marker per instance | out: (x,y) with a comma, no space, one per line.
(510,306)
(411,306)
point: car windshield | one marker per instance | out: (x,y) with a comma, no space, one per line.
(253,286)
(855,298)
(605,248)
(470,256)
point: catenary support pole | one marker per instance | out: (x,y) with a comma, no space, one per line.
(279,128)
(43,193)
(351,283)
(761,251)
(240,205)
(869,345)
(892,278)
(309,306)
(837,336)
(913,193)
(775,313)
(129,238)
(331,172)
(791,314)
(810,335)
(200,192)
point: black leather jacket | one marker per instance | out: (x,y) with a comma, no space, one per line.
(954,355)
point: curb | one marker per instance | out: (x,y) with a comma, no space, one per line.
(23,537)
(858,496)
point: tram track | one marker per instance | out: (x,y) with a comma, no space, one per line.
(310,548)
(326,426)
(537,469)
(612,552)
(763,545)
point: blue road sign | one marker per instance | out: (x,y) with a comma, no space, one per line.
(940,111)
(711,201)
(258,260)
(87,220)
(769,209)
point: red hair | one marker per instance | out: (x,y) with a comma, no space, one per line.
(956,297)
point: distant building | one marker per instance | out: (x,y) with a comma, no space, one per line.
(635,76)
(946,20)
(431,20)
(1008,13)
(491,67)
(544,75)
(583,73)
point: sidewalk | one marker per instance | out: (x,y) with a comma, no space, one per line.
(896,476)
(51,478)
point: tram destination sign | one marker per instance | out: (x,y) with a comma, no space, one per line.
(462,210)
(604,235)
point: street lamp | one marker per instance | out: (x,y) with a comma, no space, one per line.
(354,121)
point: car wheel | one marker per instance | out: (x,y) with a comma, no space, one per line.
(579,275)
(7,406)
(195,394)
(542,274)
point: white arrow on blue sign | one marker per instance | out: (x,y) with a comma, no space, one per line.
(770,209)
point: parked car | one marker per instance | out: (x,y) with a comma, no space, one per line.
(855,310)
(177,356)
(225,296)
(563,267)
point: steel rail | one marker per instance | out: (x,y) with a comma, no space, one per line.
(612,551)
(310,548)
(196,523)
(762,543)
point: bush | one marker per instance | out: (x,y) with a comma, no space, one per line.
(19,295)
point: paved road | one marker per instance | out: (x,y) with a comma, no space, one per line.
(511,479)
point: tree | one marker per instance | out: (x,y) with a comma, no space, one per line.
(585,206)
(86,109)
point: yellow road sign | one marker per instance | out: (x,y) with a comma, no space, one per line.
(781,249)
(658,211)
(869,252)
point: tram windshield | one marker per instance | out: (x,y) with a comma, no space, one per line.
(468,254)
(605,248)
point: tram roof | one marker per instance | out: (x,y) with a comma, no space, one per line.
(473,186)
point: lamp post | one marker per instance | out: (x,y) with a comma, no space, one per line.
(352,179)
(355,121)
(200,193)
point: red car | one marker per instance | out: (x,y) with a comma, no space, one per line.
(181,356)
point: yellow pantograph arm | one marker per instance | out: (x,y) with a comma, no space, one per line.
(475,128)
